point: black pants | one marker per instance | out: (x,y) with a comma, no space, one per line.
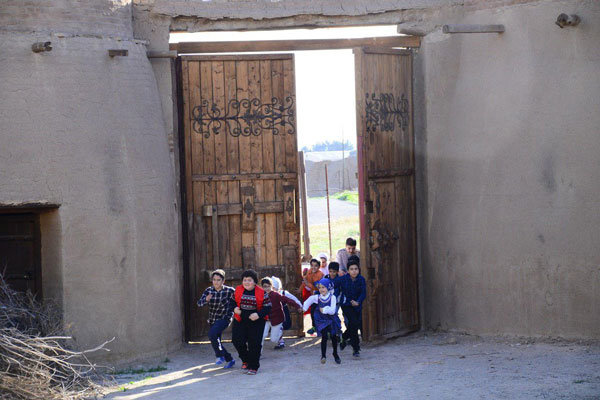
(353,318)
(325,334)
(214,334)
(247,339)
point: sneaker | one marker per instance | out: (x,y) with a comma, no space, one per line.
(251,372)
(343,344)
(220,360)
(337,359)
(279,346)
(244,366)
(323,360)
(311,331)
(356,354)
(229,364)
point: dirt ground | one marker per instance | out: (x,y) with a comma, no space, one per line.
(422,365)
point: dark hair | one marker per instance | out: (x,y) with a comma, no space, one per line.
(334,266)
(249,273)
(350,242)
(354,260)
(314,260)
(219,272)
(266,280)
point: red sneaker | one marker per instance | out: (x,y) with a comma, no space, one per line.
(252,372)
(244,365)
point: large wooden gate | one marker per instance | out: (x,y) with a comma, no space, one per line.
(387,195)
(241,163)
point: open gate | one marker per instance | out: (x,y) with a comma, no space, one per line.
(241,166)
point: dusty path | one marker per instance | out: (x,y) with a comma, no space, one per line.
(317,210)
(435,366)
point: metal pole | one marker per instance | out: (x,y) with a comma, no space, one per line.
(328,214)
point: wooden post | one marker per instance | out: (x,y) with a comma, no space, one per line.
(328,213)
(304,206)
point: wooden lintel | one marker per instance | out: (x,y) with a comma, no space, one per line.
(294,45)
(27,207)
(236,208)
(242,177)
(473,28)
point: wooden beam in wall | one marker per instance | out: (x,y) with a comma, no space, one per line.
(293,45)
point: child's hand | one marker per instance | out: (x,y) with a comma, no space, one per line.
(253,317)
(321,309)
(209,297)
(354,303)
(237,311)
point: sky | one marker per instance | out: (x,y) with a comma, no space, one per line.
(324,78)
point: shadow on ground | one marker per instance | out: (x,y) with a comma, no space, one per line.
(424,365)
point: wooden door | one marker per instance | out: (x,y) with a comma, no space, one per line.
(387,179)
(241,173)
(20,261)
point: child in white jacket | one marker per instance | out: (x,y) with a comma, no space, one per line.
(327,321)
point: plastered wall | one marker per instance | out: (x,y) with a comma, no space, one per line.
(510,228)
(86,131)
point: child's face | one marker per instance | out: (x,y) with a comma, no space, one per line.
(267,288)
(323,290)
(314,267)
(217,281)
(350,249)
(332,273)
(248,283)
(323,261)
(353,271)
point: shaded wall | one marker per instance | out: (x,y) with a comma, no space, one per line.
(512,222)
(86,131)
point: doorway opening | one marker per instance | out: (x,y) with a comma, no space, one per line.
(270,214)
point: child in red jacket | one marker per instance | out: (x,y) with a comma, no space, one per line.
(276,316)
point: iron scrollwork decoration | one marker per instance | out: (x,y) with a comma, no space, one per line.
(245,117)
(383,111)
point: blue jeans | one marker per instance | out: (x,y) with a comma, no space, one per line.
(214,334)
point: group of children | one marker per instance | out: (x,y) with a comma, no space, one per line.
(260,309)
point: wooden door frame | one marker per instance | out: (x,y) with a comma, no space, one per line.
(201,49)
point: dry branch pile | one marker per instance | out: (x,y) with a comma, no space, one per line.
(35,359)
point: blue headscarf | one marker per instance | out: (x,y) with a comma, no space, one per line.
(325,282)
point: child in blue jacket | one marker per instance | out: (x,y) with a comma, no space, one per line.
(353,289)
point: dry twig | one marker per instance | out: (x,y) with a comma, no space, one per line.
(36,360)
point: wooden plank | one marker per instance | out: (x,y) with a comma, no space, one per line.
(266,95)
(237,57)
(265,207)
(293,45)
(244,177)
(303,205)
(383,50)
(218,84)
(244,141)
(277,87)
(467,28)
(291,152)
(256,161)
(208,155)
(233,168)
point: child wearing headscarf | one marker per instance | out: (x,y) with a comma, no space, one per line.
(308,288)
(324,259)
(287,323)
(327,322)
